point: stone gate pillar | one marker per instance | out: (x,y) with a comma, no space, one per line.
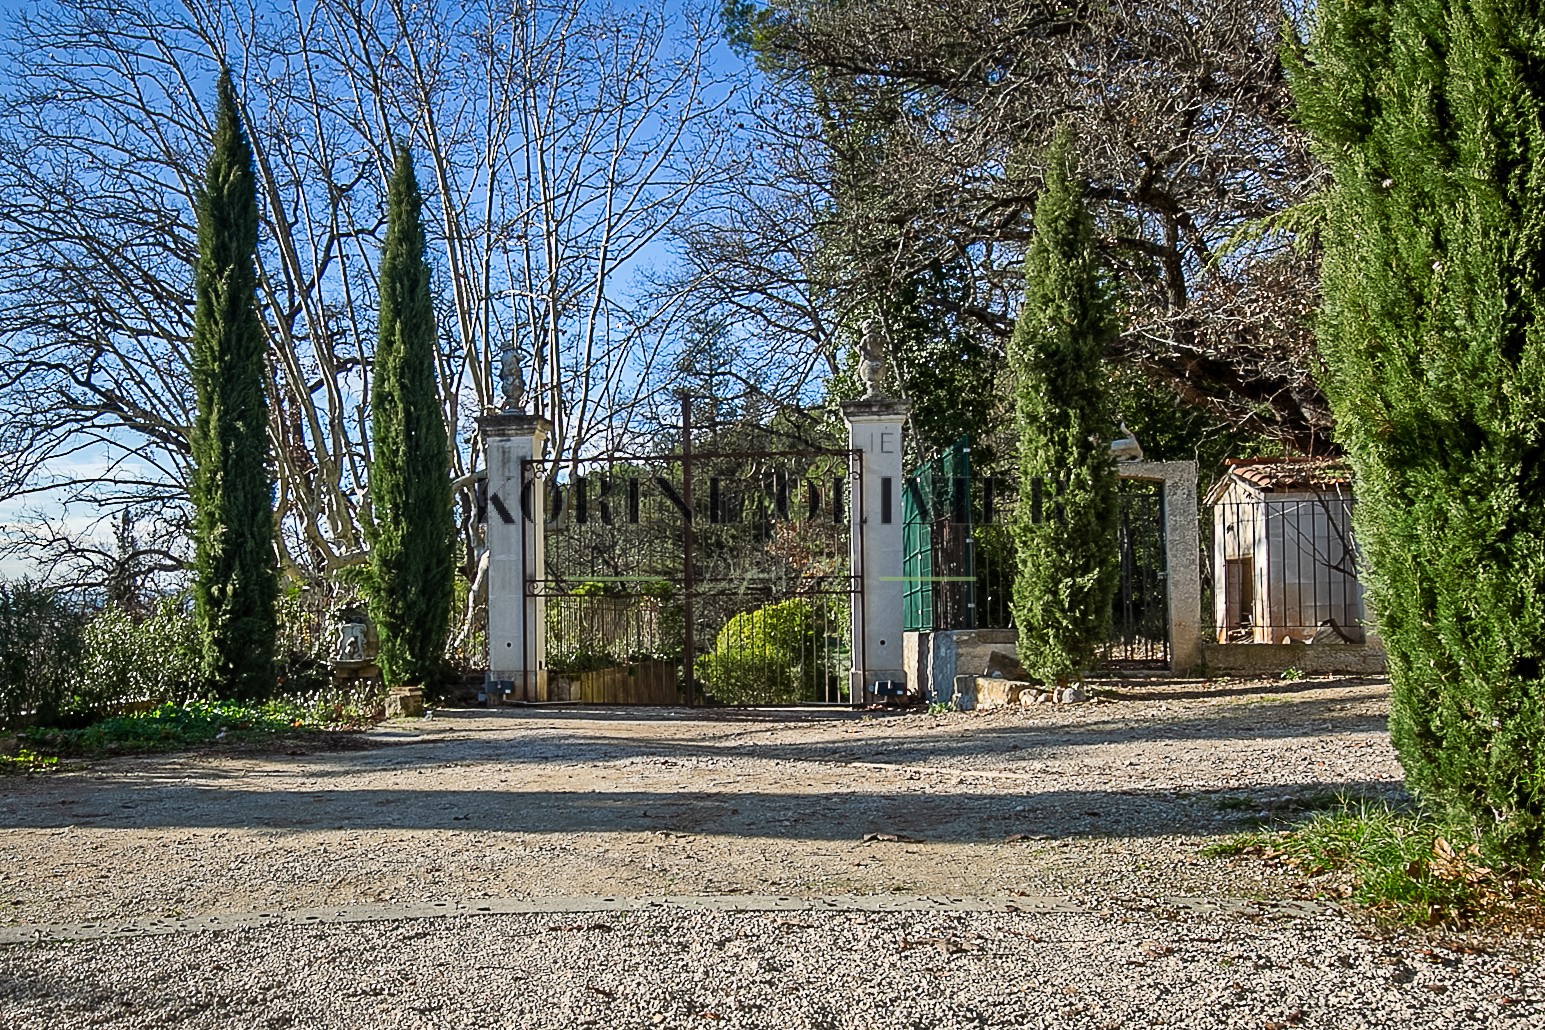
(516,556)
(874,430)
(1182,554)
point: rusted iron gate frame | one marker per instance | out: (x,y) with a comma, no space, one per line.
(689,582)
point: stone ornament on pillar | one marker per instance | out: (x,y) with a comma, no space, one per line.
(511,386)
(872,349)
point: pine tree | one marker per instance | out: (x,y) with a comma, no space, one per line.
(412,523)
(1431,116)
(232,488)
(1065,527)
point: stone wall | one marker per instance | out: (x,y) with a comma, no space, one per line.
(933,660)
(1309,659)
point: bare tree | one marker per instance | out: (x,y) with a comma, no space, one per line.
(560,138)
(912,130)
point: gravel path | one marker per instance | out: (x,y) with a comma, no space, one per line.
(801,970)
(1103,805)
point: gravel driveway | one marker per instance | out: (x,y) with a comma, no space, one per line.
(342,887)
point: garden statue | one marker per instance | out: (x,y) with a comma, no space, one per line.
(1126,448)
(510,382)
(871,360)
(351,634)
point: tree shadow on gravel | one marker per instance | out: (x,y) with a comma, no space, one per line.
(1018,741)
(1126,690)
(940,815)
(1022,738)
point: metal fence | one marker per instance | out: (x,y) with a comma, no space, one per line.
(1285,569)
(713,575)
(938,520)
(960,559)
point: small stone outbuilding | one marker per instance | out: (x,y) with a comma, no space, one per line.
(1284,558)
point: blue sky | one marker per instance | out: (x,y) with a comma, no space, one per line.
(93,461)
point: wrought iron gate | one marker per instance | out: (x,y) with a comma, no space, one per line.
(700,576)
(959,561)
(1139,635)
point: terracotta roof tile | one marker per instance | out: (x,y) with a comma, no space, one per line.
(1291,473)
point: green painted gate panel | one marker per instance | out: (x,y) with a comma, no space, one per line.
(934,502)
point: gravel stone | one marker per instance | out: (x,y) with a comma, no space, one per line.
(1098,809)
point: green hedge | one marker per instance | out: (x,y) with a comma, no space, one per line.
(40,647)
(766,656)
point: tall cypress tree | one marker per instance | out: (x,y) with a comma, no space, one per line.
(236,572)
(1065,528)
(1431,116)
(413,528)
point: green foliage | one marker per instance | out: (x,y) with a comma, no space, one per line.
(40,650)
(765,656)
(1431,117)
(1171,430)
(412,530)
(870,266)
(172,727)
(157,659)
(25,762)
(1067,559)
(944,363)
(232,485)
(571,659)
(1402,865)
(307,636)
(596,588)
(749,28)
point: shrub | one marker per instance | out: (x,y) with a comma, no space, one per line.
(307,636)
(40,650)
(766,656)
(573,659)
(171,727)
(1068,563)
(154,661)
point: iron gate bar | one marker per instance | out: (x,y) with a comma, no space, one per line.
(731,582)
(704,587)
(676,456)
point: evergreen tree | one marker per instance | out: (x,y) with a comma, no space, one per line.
(1431,116)
(413,529)
(945,366)
(1065,529)
(236,573)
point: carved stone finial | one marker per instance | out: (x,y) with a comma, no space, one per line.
(510,382)
(871,360)
(1126,447)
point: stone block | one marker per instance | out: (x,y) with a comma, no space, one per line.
(996,692)
(405,703)
(1003,665)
